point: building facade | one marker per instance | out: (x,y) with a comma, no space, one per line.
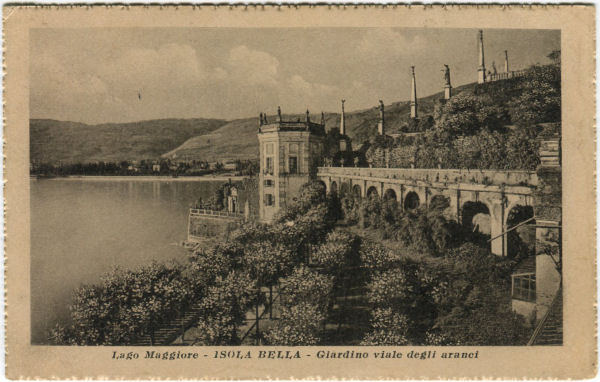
(290,152)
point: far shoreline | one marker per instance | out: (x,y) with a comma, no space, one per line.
(147,178)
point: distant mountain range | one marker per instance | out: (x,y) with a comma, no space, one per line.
(205,139)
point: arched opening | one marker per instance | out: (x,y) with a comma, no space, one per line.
(334,188)
(344,189)
(356,191)
(477,223)
(439,203)
(372,192)
(520,241)
(320,183)
(389,194)
(411,201)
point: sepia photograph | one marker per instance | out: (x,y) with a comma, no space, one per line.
(270,187)
(300,192)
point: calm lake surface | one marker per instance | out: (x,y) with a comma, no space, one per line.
(81,229)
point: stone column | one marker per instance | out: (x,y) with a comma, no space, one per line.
(381,124)
(343,120)
(413,94)
(497,228)
(447,84)
(246,211)
(481,67)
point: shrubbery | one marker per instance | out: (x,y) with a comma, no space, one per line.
(424,230)
(375,256)
(461,300)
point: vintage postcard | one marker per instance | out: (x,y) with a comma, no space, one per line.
(365,192)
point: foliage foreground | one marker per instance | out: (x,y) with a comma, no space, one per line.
(460,299)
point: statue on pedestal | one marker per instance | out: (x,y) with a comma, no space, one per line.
(446,71)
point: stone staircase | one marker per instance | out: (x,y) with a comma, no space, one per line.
(167,334)
(550,331)
(349,317)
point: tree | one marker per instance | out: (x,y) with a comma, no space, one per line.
(522,150)
(299,325)
(540,100)
(265,262)
(209,263)
(306,286)
(555,56)
(224,309)
(335,252)
(127,305)
(388,328)
(311,194)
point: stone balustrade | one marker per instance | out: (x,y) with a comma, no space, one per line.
(455,176)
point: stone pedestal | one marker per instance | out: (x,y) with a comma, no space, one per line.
(447,92)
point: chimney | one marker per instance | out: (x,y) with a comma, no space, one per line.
(506,61)
(343,120)
(481,67)
(307,116)
(279,113)
(322,118)
(413,95)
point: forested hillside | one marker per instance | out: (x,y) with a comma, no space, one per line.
(53,141)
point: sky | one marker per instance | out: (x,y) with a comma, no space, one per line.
(101,75)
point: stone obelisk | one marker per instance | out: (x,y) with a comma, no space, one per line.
(381,124)
(447,84)
(481,67)
(413,95)
(343,120)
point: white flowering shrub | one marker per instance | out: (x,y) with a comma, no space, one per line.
(299,325)
(388,329)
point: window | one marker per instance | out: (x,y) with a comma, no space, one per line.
(523,287)
(293,164)
(269,148)
(268,183)
(269,200)
(269,166)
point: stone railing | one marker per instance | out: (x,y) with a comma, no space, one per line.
(208,212)
(505,75)
(485,177)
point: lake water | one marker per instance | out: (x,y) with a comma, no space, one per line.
(81,229)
